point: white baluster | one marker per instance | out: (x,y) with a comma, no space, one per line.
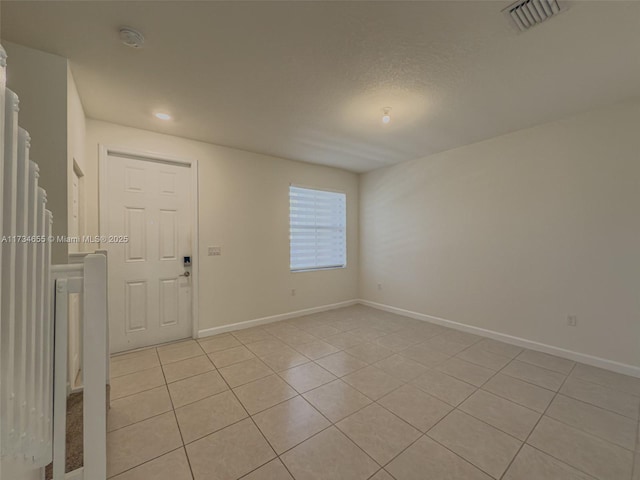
(7,324)
(43,325)
(30,362)
(41,333)
(21,276)
(3,83)
(48,303)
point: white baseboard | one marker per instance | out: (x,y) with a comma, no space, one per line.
(520,342)
(207,332)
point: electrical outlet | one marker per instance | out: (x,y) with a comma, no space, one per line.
(572,320)
(214,251)
(293,292)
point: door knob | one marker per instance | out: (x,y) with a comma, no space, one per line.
(185,274)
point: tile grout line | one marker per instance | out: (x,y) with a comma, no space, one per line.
(175,416)
(457,407)
(425,434)
(199,399)
(523,406)
(147,418)
(331,424)
(541,415)
(558,391)
(575,364)
(560,394)
(335,424)
(318,386)
(536,426)
(194,374)
(146,461)
(145,390)
(422,434)
(523,442)
(136,371)
(160,364)
(481,338)
(511,400)
(166,453)
(599,406)
(256,426)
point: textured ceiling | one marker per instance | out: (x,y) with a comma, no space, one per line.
(308,80)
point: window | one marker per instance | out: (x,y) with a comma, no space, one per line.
(317,229)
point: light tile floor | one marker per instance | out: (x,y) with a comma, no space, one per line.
(358,393)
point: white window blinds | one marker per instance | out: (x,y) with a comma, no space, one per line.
(317,229)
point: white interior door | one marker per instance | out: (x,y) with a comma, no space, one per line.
(149,212)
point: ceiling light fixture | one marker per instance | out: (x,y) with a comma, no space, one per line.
(386,118)
(163,116)
(131,37)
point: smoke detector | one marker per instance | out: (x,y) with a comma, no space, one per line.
(526,14)
(131,37)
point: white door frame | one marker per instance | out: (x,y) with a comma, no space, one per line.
(103,152)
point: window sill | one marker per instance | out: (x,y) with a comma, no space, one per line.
(318,269)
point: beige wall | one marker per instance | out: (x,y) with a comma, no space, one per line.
(515,233)
(40,80)
(244,208)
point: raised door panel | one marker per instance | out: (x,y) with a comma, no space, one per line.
(135,222)
(169,300)
(134,179)
(168,235)
(167,183)
(136,302)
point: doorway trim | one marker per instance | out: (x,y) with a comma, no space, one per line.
(103,153)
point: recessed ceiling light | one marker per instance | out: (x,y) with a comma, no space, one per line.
(131,37)
(163,116)
(386,117)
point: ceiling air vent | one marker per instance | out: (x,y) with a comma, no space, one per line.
(529,13)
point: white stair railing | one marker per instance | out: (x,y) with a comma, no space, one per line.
(89,279)
(26,323)
(31,291)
